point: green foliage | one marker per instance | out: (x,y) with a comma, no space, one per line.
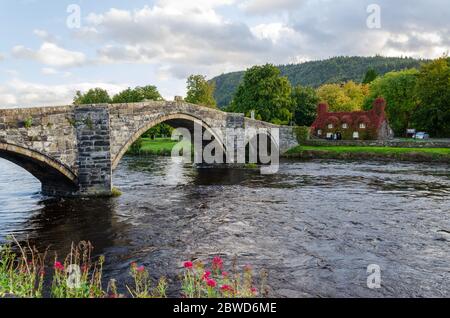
(92,96)
(433,92)
(137,94)
(135,148)
(115,192)
(305,101)
(317,73)
(343,98)
(302,133)
(28,122)
(266,92)
(370,76)
(399,91)
(21,275)
(200,92)
(158,131)
(143,286)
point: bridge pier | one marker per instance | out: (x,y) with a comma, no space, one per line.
(94,150)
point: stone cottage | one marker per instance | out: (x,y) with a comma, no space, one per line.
(359,125)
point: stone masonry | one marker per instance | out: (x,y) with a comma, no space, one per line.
(73,150)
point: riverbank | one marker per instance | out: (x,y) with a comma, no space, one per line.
(163,147)
(158,146)
(370,153)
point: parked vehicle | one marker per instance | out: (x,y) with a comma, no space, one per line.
(421,135)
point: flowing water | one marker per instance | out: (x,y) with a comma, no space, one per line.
(315,226)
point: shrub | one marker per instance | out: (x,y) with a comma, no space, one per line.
(28,122)
(302,133)
(135,148)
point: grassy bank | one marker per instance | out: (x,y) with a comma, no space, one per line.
(357,152)
(158,146)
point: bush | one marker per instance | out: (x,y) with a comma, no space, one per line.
(135,148)
(302,133)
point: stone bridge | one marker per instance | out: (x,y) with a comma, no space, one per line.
(73,150)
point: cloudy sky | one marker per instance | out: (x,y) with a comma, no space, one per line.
(46,55)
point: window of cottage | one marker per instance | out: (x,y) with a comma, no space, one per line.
(355,135)
(362,126)
(330,126)
(344,126)
(319,132)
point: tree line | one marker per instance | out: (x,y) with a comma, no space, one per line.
(416,97)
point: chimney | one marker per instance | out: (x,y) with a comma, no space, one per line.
(322,109)
(379,106)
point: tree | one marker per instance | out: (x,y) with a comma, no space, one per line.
(305,102)
(399,91)
(433,90)
(343,97)
(266,92)
(370,76)
(92,96)
(138,94)
(200,92)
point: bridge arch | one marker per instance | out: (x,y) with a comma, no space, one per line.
(176,120)
(55,177)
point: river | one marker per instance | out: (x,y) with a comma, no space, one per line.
(315,226)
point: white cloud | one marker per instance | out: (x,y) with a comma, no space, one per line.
(2,57)
(7,100)
(26,94)
(51,71)
(44,35)
(179,37)
(50,54)
(263,7)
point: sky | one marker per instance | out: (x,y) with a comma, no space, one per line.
(50,49)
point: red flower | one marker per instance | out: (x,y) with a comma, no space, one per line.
(225,274)
(206,275)
(211,283)
(254,290)
(217,263)
(140,269)
(188,264)
(226,288)
(58,266)
(133,264)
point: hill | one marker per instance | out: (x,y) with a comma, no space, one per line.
(316,73)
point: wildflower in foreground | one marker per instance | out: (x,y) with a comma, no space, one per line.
(211,283)
(58,266)
(188,264)
(217,263)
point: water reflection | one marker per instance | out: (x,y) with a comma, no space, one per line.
(315,225)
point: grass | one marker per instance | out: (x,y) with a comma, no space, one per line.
(370,152)
(378,150)
(158,146)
